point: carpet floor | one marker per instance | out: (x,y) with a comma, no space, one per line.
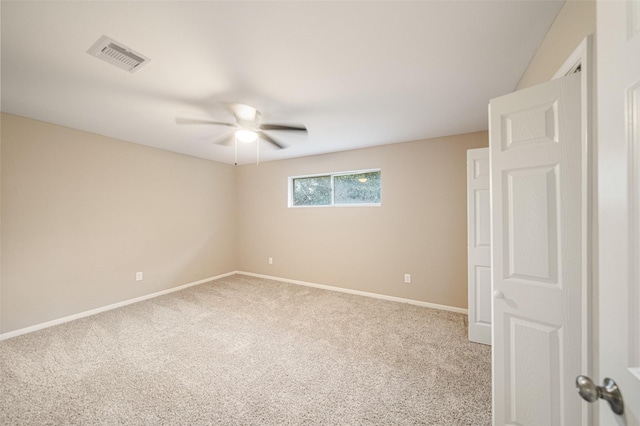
(249,351)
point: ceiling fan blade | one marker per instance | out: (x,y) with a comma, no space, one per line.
(182,120)
(269,139)
(225,140)
(297,127)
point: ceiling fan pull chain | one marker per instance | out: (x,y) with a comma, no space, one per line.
(257,151)
(235,148)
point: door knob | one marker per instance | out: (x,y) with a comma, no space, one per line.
(609,391)
(498,294)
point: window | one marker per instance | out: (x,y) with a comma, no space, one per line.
(337,189)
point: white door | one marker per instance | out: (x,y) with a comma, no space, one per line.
(538,245)
(478,245)
(618,80)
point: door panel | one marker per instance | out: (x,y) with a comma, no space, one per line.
(534,348)
(479,245)
(531,236)
(483,300)
(537,245)
(482,217)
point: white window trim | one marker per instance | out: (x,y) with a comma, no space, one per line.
(331,175)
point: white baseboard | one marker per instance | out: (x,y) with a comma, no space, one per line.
(360,293)
(62,320)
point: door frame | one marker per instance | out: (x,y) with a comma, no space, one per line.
(583,58)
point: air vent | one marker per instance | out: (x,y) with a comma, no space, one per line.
(118,54)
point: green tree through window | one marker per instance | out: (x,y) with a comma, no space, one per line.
(312,191)
(362,187)
(357,189)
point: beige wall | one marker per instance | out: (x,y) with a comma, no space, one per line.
(575,21)
(82,213)
(419,229)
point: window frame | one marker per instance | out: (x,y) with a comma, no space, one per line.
(331,176)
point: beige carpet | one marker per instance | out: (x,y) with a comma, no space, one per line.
(248,351)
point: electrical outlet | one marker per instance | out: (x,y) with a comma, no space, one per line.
(271,261)
(138,276)
(407,278)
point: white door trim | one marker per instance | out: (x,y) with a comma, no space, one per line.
(633,108)
(618,141)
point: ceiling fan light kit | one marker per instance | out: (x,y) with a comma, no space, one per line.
(246,135)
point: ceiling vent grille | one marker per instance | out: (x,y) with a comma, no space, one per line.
(118,54)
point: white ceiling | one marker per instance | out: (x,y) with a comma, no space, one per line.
(356,73)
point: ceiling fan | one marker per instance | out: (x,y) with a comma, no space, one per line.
(248,126)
